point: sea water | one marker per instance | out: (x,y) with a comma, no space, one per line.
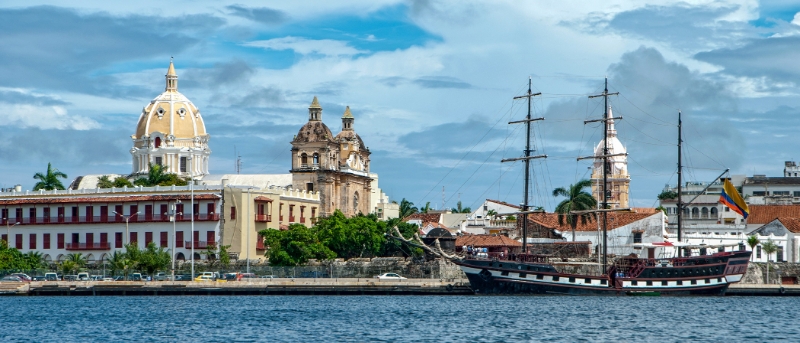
(398,319)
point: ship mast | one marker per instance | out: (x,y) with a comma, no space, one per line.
(606,168)
(680,180)
(527,158)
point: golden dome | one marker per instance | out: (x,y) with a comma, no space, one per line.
(171,113)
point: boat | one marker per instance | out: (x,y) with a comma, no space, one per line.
(690,272)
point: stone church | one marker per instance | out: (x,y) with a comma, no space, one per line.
(335,166)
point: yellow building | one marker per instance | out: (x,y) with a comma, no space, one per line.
(335,166)
(617,170)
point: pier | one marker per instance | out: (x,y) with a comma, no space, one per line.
(288,286)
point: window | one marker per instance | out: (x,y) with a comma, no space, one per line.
(196,210)
(164,239)
(280,212)
(779,254)
(758,251)
(291,213)
(316,159)
(148,212)
(76,238)
(780,192)
(134,238)
(304,159)
(179,209)
(18,215)
(233,212)
(45,241)
(163,212)
(302,216)
(5,215)
(310,187)
(183,164)
(210,237)
(118,215)
(759,193)
(179,238)
(89,238)
(637,237)
(104,237)
(355,202)
(148,238)
(118,240)
(89,213)
(134,210)
(32,214)
(32,241)
(158,143)
(159,161)
(60,241)
(18,244)
(104,213)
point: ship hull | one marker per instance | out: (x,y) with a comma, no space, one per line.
(700,275)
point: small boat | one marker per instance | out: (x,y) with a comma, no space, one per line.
(685,274)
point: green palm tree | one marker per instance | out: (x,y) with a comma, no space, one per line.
(752,241)
(576,200)
(769,247)
(491,213)
(104,182)
(49,181)
(459,209)
(426,208)
(35,259)
(77,258)
(407,208)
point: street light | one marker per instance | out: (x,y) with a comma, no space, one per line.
(174,218)
(247,254)
(8,231)
(127,218)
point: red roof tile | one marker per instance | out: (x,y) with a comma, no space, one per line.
(791,224)
(487,241)
(425,217)
(503,203)
(615,220)
(762,214)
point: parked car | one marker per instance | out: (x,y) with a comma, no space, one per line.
(389,276)
(135,277)
(207,276)
(162,276)
(267,277)
(108,278)
(119,278)
(23,276)
(83,277)
(70,278)
(39,278)
(51,277)
(11,278)
(183,277)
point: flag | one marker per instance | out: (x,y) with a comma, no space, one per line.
(731,198)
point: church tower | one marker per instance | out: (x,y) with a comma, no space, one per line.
(171,132)
(616,170)
(335,166)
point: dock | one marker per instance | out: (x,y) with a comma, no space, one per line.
(289,286)
(746,289)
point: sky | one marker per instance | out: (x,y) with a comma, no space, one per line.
(430,84)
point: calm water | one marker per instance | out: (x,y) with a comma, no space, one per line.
(397,319)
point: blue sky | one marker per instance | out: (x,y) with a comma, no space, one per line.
(430,84)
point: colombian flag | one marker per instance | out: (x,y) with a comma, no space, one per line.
(731,198)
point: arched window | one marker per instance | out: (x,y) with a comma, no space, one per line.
(714,212)
(695,212)
(158,142)
(197,256)
(180,257)
(304,159)
(355,202)
(316,158)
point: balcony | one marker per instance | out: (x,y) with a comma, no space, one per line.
(263,218)
(107,219)
(89,246)
(199,244)
(291,219)
(260,244)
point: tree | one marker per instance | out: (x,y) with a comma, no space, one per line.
(78,259)
(120,182)
(154,258)
(462,210)
(667,195)
(50,180)
(577,200)
(224,258)
(752,241)
(34,260)
(104,182)
(769,247)
(426,208)
(662,209)
(295,246)
(117,262)
(156,176)
(407,208)
(491,213)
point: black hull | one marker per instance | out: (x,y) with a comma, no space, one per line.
(694,276)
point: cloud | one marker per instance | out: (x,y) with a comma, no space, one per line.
(303,46)
(24,109)
(10,96)
(261,14)
(775,58)
(441,82)
(63,49)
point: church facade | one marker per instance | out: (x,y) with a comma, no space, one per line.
(619,180)
(335,166)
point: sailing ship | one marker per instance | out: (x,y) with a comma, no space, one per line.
(690,272)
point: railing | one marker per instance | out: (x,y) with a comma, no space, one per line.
(199,244)
(89,246)
(263,218)
(109,219)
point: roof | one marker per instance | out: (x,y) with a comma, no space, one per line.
(615,220)
(106,199)
(347,113)
(502,203)
(314,131)
(315,103)
(487,241)
(762,180)
(262,181)
(762,214)
(791,224)
(262,198)
(424,217)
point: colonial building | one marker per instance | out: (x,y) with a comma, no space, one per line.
(619,180)
(335,166)
(171,132)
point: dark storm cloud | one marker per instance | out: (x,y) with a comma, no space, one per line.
(59,48)
(775,58)
(15,97)
(260,14)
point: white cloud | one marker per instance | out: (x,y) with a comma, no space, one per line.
(44,117)
(326,47)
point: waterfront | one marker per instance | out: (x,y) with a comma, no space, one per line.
(396,319)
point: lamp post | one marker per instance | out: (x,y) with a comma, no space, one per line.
(127,218)
(249,217)
(8,231)
(191,187)
(174,217)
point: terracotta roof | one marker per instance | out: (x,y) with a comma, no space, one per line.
(424,217)
(262,198)
(503,203)
(110,199)
(314,131)
(487,241)
(615,220)
(650,210)
(762,214)
(791,224)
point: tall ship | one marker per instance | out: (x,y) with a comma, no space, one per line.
(691,271)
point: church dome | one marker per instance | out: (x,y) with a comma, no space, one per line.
(619,163)
(314,130)
(171,114)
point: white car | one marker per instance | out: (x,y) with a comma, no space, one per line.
(390,276)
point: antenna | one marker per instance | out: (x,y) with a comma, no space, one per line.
(238,166)
(442,198)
